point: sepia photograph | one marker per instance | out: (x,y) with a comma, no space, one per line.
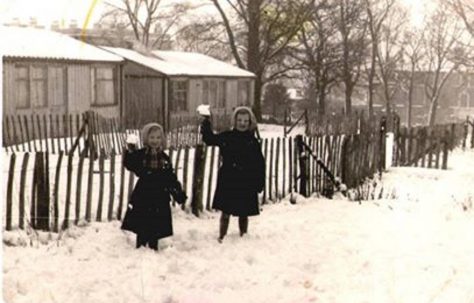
(237,151)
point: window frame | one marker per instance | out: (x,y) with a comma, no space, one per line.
(95,80)
(173,91)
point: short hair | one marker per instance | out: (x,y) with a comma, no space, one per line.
(148,128)
(244,110)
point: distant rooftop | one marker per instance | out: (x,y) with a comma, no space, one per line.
(177,63)
(26,42)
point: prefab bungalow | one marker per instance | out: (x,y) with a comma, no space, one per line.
(161,85)
(45,72)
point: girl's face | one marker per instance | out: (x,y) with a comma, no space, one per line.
(154,139)
(242,122)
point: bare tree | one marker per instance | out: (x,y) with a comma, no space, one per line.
(206,36)
(318,53)
(352,31)
(377,13)
(444,54)
(267,28)
(413,52)
(390,54)
(144,17)
(465,10)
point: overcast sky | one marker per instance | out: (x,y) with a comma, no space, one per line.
(46,11)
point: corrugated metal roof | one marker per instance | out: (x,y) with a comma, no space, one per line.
(175,63)
(24,42)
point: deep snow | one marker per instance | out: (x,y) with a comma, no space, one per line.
(415,245)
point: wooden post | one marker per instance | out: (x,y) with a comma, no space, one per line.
(79,187)
(121,189)
(24,166)
(198,179)
(446,144)
(43,202)
(11,175)
(111,185)
(302,165)
(56,192)
(265,154)
(211,174)
(68,191)
(270,172)
(90,177)
(277,165)
(101,186)
(185,172)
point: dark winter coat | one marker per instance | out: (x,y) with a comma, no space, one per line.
(149,211)
(242,173)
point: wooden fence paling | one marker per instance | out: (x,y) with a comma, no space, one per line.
(431,141)
(11,175)
(27,133)
(58,134)
(290,164)
(79,187)
(68,192)
(90,176)
(111,185)
(265,155)
(211,175)
(22,135)
(65,132)
(446,143)
(277,166)
(185,171)
(24,166)
(45,132)
(121,189)
(38,129)
(56,192)
(33,133)
(198,179)
(284,145)
(15,135)
(101,186)
(270,173)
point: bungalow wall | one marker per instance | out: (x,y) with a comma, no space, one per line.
(60,87)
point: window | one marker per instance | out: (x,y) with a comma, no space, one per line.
(38,86)
(214,93)
(103,84)
(31,86)
(22,87)
(243,90)
(179,95)
(57,79)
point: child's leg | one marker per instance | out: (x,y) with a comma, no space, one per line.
(243,225)
(153,243)
(141,240)
(223,225)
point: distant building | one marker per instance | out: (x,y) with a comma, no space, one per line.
(162,84)
(46,72)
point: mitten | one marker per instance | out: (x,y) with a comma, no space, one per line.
(132,141)
(180,197)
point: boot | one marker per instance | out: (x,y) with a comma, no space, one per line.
(243,225)
(223,226)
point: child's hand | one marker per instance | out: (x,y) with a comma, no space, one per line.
(132,141)
(181,197)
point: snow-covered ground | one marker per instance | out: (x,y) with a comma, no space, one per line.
(415,247)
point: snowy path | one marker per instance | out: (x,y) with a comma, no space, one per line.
(417,248)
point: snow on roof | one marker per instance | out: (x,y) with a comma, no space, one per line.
(176,63)
(24,42)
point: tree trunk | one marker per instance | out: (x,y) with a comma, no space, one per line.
(253,53)
(322,101)
(348,95)
(432,115)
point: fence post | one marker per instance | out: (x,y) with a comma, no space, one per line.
(302,157)
(446,143)
(383,128)
(198,179)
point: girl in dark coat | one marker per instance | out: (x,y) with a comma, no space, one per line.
(149,213)
(242,173)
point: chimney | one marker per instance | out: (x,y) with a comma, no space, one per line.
(55,25)
(33,22)
(73,24)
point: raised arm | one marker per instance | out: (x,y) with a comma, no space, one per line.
(133,161)
(208,135)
